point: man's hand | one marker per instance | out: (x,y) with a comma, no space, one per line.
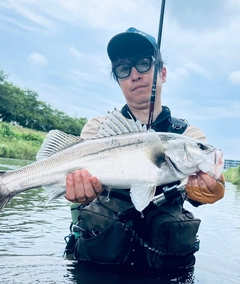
(81,187)
(204,188)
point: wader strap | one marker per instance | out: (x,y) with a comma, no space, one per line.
(142,243)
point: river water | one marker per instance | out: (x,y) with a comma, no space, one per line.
(32,244)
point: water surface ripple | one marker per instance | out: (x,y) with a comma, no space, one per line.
(32,245)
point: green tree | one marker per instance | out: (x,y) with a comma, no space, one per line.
(24,108)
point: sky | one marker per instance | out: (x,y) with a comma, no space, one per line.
(57,48)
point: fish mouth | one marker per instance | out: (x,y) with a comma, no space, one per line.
(219,157)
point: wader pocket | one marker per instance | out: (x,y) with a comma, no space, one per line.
(103,239)
(173,237)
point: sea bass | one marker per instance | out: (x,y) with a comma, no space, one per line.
(123,154)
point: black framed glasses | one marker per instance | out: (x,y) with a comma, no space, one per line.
(142,65)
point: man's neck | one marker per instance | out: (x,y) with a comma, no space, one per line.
(143,114)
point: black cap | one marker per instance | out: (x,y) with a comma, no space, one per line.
(131,43)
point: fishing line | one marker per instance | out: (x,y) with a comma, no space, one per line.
(157,57)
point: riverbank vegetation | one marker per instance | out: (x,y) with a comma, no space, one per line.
(233,175)
(18,142)
(25,121)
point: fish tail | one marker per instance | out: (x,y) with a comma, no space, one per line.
(4,197)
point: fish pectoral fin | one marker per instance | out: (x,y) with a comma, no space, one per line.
(142,195)
(154,148)
(54,191)
(56,141)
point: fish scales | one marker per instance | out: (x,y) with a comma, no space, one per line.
(91,154)
(135,159)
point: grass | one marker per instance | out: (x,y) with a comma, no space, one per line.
(18,142)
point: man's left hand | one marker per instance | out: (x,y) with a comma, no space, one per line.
(204,188)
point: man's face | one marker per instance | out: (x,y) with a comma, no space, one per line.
(137,87)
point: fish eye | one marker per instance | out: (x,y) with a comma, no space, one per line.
(201,146)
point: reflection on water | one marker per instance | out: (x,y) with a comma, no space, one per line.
(11,164)
(220,235)
(32,245)
(92,273)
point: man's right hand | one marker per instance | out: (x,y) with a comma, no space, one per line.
(81,187)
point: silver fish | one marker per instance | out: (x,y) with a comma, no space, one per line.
(123,154)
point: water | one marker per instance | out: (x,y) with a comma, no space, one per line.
(32,244)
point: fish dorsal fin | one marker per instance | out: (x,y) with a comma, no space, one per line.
(56,141)
(116,124)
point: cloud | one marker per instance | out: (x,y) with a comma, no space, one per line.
(205,45)
(197,69)
(234,77)
(105,14)
(232,5)
(33,12)
(74,52)
(38,59)
(9,24)
(178,74)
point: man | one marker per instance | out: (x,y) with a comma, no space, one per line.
(132,57)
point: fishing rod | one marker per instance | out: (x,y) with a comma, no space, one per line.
(157,56)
